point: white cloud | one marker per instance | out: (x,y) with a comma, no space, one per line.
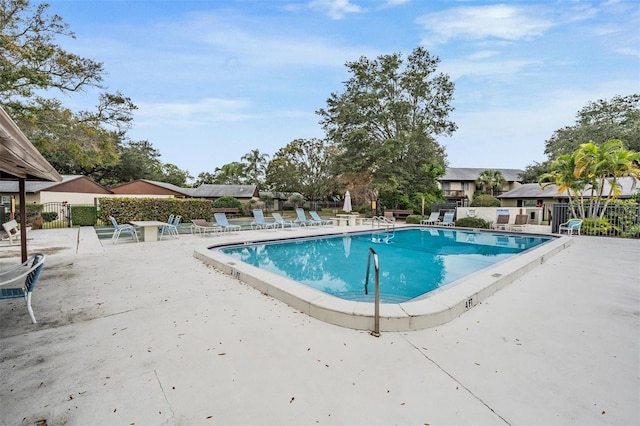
(498,21)
(460,68)
(246,42)
(336,9)
(202,111)
(483,54)
(391,3)
(629,51)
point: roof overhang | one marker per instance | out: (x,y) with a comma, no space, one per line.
(19,159)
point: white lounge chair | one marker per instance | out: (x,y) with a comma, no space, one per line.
(447,220)
(280,221)
(223,222)
(302,219)
(315,216)
(259,222)
(434,219)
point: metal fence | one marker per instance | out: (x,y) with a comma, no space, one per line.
(56,215)
(621,218)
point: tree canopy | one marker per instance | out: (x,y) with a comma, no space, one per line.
(30,59)
(304,166)
(385,122)
(597,122)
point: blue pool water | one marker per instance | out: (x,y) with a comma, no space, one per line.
(412,261)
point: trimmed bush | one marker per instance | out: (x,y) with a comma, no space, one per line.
(84,215)
(485,200)
(49,216)
(228,202)
(415,218)
(473,222)
(125,209)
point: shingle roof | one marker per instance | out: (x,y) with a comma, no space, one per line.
(170,186)
(215,191)
(533,190)
(471,174)
(32,186)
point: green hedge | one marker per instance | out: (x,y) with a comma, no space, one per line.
(125,209)
(84,215)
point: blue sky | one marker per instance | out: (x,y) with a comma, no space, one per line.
(214,80)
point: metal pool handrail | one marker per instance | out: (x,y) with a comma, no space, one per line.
(376,266)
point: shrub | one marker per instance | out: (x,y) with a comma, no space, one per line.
(485,200)
(49,216)
(633,231)
(592,226)
(257,204)
(227,202)
(414,218)
(296,200)
(394,200)
(473,222)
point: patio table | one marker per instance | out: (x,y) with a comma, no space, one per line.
(348,219)
(149,228)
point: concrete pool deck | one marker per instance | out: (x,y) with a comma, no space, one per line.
(146,334)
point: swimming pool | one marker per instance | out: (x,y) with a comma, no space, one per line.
(413,262)
(441,305)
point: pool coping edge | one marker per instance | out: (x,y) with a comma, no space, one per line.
(405,316)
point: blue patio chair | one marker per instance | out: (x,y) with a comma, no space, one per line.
(259,221)
(315,216)
(302,218)
(171,228)
(571,226)
(223,222)
(434,219)
(30,273)
(122,229)
(281,222)
(447,220)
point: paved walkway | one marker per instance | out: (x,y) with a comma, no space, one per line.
(145,334)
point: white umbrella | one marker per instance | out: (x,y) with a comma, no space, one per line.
(347,203)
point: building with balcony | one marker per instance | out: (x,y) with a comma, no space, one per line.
(459,183)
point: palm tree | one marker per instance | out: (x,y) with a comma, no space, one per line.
(590,167)
(563,175)
(231,174)
(488,180)
(256,166)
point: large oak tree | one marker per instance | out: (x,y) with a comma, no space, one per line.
(386,121)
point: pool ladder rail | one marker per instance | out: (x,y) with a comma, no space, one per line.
(376,266)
